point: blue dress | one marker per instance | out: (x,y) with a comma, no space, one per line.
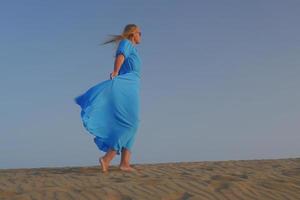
(110,110)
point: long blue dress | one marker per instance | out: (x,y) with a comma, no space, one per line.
(110,110)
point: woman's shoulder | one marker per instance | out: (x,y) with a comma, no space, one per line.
(125,47)
(126,41)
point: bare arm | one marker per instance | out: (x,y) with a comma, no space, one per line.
(118,63)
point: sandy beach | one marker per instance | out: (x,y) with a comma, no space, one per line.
(233,179)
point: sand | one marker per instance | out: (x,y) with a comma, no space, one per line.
(233,179)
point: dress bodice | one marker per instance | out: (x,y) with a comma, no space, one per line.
(132,62)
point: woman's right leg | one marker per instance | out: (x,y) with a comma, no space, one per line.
(125,159)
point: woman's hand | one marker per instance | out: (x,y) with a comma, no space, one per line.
(113,75)
(118,63)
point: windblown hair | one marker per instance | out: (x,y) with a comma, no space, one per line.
(128,31)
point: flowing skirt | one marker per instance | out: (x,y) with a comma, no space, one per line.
(110,111)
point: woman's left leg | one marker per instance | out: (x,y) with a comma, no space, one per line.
(106,159)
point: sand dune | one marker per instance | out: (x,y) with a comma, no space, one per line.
(243,179)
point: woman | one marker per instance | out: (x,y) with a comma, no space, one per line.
(110,110)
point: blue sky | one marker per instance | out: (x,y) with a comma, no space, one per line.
(220,80)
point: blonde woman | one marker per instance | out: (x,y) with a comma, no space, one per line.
(110,110)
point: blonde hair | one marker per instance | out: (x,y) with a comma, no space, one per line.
(128,31)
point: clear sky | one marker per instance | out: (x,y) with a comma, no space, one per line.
(220,79)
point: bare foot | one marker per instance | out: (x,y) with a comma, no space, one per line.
(103,165)
(127,168)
